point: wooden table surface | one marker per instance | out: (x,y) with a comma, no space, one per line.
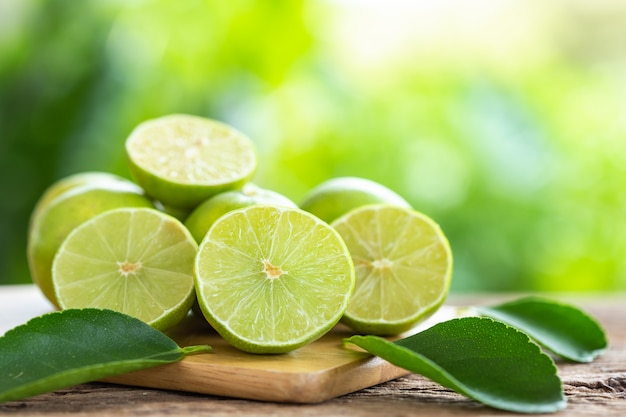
(596,389)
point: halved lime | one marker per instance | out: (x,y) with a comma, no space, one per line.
(181,160)
(271,279)
(337,196)
(403,265)
(66,205)
(202,217)
(135,261)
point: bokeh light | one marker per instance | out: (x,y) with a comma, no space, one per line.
(504,121)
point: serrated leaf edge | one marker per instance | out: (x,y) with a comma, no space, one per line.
(463,389)
(482,311)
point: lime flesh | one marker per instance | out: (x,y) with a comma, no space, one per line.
(271,279)
(181,160)
(403,265)
(135,261)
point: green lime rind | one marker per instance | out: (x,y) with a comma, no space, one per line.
(173,194)
(333,198)
(386,328)
(71,181)
(202,217)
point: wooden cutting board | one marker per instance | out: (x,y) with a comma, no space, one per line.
(317,372)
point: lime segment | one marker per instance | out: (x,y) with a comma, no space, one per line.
(271,279)
(403,265)
(135,261)
(182,160)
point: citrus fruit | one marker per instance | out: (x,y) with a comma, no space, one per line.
(182,160)
(69,182)
(271,279)
(179,213)
(337,196)
(403,266)
(201,219)
(54,218)
(137,261)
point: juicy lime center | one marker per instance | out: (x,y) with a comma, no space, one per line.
(271,271)
(382,264)
(127,268)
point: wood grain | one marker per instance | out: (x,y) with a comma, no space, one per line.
(314,373)
(317,372)
(596,389)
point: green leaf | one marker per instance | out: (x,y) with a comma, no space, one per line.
(561,328)
(481,358)
(70,347)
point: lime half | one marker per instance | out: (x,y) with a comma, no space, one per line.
(135,261)
(66,205)
(403,265)
(182,160)
(271,279)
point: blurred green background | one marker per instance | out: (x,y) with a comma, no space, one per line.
(504,121)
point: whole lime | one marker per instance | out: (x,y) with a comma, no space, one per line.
(69,182)
(202,218)
(335,197)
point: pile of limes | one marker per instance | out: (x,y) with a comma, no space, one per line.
(268,275)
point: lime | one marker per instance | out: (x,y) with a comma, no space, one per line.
(179,213)
(337,196)
(201,219)
(403,265)
(137,261)
(55,216)
(69,182)
(271,279)
(182,160)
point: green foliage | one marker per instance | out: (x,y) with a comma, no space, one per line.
(513,143)
(62,349)
(562,328)
(483,359)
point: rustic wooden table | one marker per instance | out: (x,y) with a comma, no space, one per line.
(596,389)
